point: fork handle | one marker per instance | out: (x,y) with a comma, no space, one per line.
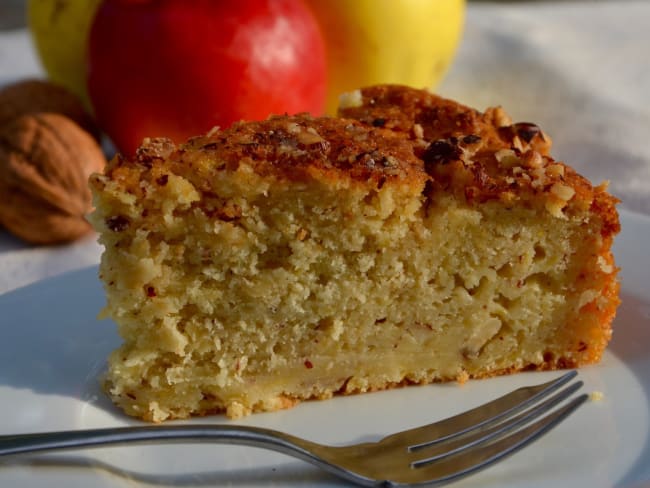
(325,457)
(221,434)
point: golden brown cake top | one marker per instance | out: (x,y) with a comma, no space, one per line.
(386,134)
(480,156)
(422,115)
(293,148)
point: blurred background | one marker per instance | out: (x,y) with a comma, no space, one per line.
(12,14)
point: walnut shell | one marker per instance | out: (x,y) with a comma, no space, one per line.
(45,162)
(35,96)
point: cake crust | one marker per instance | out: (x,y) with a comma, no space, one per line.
(292,148)
(396,134)
(481,156)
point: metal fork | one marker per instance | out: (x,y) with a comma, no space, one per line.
(429,455)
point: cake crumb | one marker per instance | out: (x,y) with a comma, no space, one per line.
(596,396)
(236,410)
(462,377)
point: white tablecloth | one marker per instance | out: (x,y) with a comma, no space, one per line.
(581,70)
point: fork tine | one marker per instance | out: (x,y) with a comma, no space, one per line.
(474,459)
(451,446)
(481,416)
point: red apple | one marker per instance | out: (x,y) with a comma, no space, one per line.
(177,68)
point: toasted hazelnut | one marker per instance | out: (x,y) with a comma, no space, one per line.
(45,163)
(555,205)
(507,158)
(555,170)
(526,131)
(309,138)
(499,116)
(539,176)
(293,128)
(605,266)
(353,99)
(533,159)
(442,151)
(154,149)
(517,144)
(562,191)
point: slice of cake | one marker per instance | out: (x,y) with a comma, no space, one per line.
(414,240)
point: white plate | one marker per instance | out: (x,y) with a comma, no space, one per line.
(52,350)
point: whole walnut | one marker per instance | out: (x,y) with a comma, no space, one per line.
(36,96)
(45,162)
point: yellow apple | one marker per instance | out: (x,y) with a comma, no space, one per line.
(59,29)
(410,42)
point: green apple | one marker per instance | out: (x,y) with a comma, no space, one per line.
(59,29)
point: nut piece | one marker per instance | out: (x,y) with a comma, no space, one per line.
(562,191)
(45,162)
(507,158)
(353,99)
(34,96)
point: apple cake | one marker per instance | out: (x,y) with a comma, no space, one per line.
(409,240)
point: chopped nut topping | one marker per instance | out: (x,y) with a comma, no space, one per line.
(507,158)
(308,138)
(154,149)
(562,191)
(555,170)
(539,177)
(301,235)
(533,159)
(603,186)
(526,131)
(352,99)
(554,206)
(293,128)
(418,131)
(442,151)
(213,131)
(501,118)
(605,266)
